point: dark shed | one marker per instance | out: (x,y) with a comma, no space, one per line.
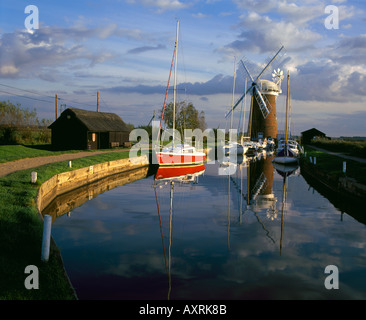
(308,135)
(83,129)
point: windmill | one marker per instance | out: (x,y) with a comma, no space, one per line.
(263,94)
(277,77)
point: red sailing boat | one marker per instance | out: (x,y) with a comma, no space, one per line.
(177,154)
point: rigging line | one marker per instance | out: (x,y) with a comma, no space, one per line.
(183,61)
(19,95)
(166,94)
(33,92)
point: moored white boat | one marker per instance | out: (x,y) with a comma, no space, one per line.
(292,144)
(235,148)
(286,156)
(181,154)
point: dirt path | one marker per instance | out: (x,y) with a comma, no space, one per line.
(22,164)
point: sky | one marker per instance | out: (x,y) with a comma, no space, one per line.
(124,49)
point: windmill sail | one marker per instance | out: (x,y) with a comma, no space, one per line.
(269,63)
(263,103)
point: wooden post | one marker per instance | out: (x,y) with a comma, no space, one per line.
(46,238)
(56,106)
(98,101)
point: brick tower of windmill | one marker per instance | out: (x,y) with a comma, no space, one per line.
(263,123)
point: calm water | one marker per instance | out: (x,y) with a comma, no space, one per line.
(218,242)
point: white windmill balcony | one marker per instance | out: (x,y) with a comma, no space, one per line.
(269,87)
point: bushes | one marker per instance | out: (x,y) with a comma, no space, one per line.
(16,135)
(353,148)
(21,126)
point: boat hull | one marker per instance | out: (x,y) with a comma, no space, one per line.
(170,172)
(235,148)
(174,159)
(285,160)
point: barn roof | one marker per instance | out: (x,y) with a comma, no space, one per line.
(313,131)
(95,121)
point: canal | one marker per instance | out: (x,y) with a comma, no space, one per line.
(254,234)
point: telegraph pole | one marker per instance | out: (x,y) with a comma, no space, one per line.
(98,101)
(56,106)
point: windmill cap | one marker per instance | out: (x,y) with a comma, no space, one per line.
(267,86)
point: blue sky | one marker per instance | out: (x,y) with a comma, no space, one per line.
(123,49)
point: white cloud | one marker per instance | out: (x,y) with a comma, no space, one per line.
(260,6)
(161,5)
(24,53)
(300,15)
(199,15)
(8,70)
(263,34)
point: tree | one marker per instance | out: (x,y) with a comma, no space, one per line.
(21,125)
(186,117)
(14,116)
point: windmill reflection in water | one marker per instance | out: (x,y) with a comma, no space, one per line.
(259,190)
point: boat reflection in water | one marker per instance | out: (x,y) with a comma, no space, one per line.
(285,170)
(169,177)
(258,194)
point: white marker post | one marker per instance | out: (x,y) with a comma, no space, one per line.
(33,177)
(344,166)
(46,240)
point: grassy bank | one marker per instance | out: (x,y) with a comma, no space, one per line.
(21,233)
(333,165)
(16,152)
(348,147)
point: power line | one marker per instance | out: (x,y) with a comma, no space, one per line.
(75,102)
(19,95)
(36,93)
(33,92)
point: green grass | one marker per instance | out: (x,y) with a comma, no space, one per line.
(16,152)
(21,234)
(333,165)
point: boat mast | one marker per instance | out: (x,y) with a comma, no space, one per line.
(288,91)
(232,100)
(166,95)
(175,80)
(245,104)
